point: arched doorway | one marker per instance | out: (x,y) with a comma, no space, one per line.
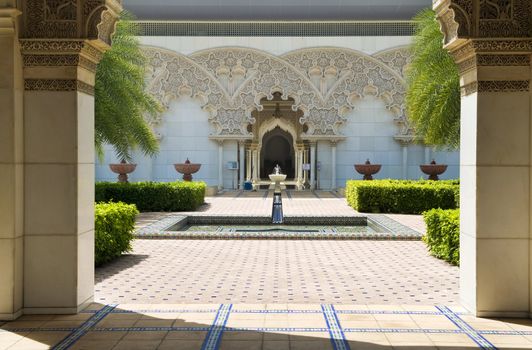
(277,148)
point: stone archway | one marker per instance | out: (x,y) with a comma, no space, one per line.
(49,52)
(491,43)
(277,148)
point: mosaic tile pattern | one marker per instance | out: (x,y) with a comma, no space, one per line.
(265,326)
(277,271)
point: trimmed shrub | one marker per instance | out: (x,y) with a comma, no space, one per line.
(401,196)
(154,196)
(443,234)
(114,225)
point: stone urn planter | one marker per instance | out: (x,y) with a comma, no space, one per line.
(367,169)
(122,169)
(187,169)
(433,169)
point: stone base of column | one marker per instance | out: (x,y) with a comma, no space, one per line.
(58,310)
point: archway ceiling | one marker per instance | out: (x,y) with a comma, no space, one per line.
(325,84)
(276,9)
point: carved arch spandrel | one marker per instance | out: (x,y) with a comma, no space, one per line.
(232,82)
(357,75)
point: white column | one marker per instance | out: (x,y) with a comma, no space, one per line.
(11,169)
(333,165)
(427,155)
(495,185)
(241,146)
(404,168)
(312,165)
(220,164)
(255,164)
(305,161)
(59,188)
(248,165)
(300,166)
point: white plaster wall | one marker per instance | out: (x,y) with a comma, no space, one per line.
(185,131)
(230,155)
(276,45)
(369,132)
(369,129)
(323,155)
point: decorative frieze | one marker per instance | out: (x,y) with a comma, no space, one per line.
(57,57)
(59,61)
(57,85)
(505,18)
(325,84)
(503,85)
(496,86)
(50,60)
(493,60)
(503,60)
(70,19)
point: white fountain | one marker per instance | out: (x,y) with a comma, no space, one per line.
(277,177)
(277,209)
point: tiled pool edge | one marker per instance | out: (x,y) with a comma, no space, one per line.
(396,231)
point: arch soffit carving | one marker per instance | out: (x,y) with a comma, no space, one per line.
(230,90)
(283,124)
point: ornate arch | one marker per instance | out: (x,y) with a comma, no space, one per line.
(325,83)
(283,124)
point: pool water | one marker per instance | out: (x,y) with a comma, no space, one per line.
(371,228)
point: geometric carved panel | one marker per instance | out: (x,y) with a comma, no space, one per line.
(325,84)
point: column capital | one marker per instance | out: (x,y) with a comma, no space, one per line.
(60,65)
(461,20)
(490,42)
(62,45)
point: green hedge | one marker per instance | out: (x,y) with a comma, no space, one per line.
(443,234)
(114,224)
(401,196)
(154,196)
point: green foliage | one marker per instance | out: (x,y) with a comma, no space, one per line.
(401,196)
(443,234)
(433,94)
(154,196)
(114,224)
(120,97)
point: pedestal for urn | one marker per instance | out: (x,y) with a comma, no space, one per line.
(367,169)
(122,169)
(433,170)
(187,169)
(277,208)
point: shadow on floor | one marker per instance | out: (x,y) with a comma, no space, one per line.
(118,265)
(103,327)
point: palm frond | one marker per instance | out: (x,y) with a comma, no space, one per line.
(433,94)
(121,98)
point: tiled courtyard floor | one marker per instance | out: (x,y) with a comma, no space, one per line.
(265,326)
(277,271)
(272,294)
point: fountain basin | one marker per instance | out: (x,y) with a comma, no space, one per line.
(122,169)
(367,169)
(277,177)
(433,170)
(187,169)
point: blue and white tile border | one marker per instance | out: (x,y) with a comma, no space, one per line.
(216,330)
(335,329)
(79,332)
(214,336)
(482,342)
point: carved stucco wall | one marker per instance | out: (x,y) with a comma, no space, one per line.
(325,84)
